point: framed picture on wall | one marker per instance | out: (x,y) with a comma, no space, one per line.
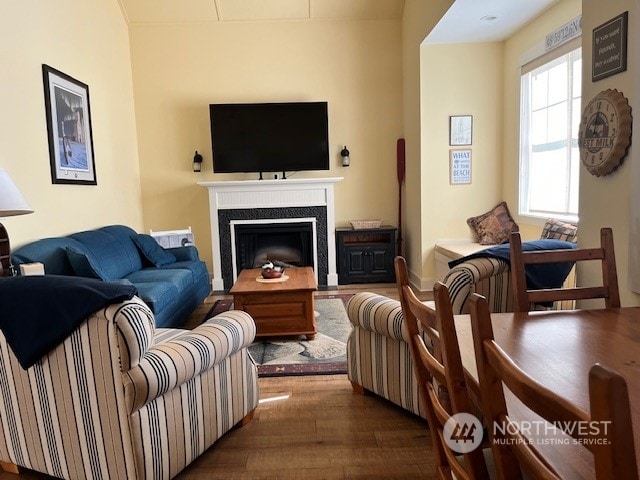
(460,167)
(460,129)
(68,116)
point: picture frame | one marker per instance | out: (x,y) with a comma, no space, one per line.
(68,114)
(460,130)
(460,167)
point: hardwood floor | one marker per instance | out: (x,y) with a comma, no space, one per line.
(314,427)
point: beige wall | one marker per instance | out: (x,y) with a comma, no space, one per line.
(418,20)
(179,69)
(461,79)
(606,201)
(380,84)
(89,41)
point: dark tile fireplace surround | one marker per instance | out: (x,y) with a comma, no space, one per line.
(293,236)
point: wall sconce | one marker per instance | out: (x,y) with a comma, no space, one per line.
(346,160)
(197,162)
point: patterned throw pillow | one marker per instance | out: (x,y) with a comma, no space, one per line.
(558,230)
(495,226)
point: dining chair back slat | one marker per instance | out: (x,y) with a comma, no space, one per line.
(525,297)
(439,369)
(609,436)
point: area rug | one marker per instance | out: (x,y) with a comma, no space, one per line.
(285,356)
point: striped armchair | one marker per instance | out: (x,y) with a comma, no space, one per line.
(378,356)
(121,399)
(491,278)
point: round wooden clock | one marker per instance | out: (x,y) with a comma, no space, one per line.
(605,132)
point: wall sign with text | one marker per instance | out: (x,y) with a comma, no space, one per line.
(459,167)
(610,48)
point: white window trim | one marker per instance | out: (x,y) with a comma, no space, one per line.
(545,59)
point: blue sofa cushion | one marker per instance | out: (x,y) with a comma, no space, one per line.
(197,268)
(157,295)
(124,236)
(182,279)
(83,266)
(112,255)
(188,252)
(152,251)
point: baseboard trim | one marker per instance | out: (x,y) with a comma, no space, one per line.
(421,284)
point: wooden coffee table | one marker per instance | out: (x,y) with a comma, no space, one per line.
(278,307)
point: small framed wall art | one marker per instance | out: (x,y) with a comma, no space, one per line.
(68,115)
(460,167)
(610,47)
(460,130)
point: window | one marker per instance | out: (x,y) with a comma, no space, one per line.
(549,156)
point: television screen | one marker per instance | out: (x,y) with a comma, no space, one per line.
(269,137)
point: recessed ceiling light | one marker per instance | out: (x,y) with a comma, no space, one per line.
(489,18)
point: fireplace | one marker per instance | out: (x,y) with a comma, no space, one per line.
(258,242)
(270,202)
(229,220)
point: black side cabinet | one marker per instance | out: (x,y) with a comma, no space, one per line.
(366,255)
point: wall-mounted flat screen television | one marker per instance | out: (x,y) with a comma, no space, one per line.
(269,137)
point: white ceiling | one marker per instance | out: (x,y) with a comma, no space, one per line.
(461,24)
(467,21)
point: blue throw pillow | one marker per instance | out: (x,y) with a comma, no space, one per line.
(153,252)
(82,265)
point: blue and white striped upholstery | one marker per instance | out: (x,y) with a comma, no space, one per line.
(116,400)
(488,277)
(491,278)
(378,355)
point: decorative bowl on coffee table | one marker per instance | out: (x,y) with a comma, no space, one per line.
(270,273)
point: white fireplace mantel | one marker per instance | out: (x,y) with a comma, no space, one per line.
(247,194)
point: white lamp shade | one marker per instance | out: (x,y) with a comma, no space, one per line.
(11,200)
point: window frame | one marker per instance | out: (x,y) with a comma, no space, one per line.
(569,53)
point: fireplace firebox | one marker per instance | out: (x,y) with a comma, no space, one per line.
(291,243)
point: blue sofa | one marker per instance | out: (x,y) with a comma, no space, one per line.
(172,290)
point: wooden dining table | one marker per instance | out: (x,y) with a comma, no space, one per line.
(557,348)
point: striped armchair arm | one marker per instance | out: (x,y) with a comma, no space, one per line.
(489,277)
(378,314)
(167,365)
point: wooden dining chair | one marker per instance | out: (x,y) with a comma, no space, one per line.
(524,297)
(514,453)
(440,373)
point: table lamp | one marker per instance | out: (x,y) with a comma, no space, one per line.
(11,203)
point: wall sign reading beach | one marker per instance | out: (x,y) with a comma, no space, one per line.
(459,167)
(69,127)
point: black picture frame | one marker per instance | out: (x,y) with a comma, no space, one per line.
(68,114)
(609,47)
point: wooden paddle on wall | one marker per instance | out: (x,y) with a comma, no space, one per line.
(400,168)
